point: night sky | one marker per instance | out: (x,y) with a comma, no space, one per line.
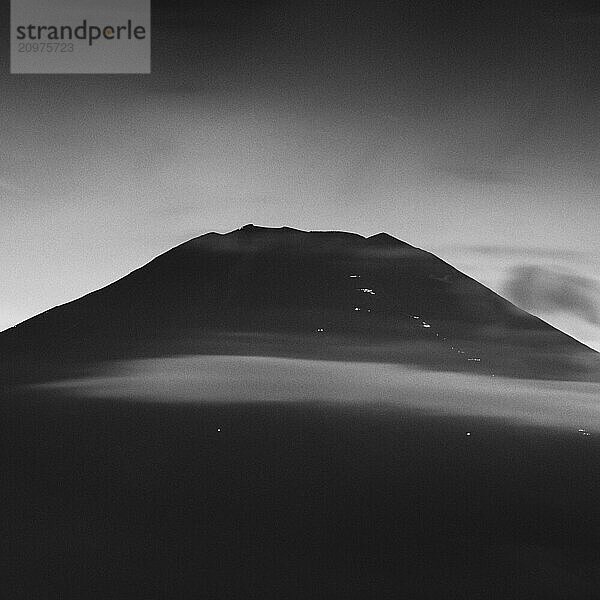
(467,130)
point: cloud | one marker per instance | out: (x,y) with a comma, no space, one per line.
(553,404)
(540,289)
(526,251)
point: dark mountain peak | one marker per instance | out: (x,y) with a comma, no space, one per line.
(291,232)
(252,238)
(290,235)
(385,239)
(283,234)
(250,228)
(282,291)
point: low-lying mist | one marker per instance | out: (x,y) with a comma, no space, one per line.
(554,404)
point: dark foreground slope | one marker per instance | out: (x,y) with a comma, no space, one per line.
(304,501)
(261,291)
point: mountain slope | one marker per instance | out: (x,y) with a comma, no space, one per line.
(289,292)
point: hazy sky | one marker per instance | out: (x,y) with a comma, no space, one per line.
(469,131)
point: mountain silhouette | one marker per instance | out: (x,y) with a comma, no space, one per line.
(286,292)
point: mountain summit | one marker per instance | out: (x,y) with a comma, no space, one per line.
(286,292)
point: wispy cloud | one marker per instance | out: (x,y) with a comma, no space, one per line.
(526,251)
(553,404)
(542,289)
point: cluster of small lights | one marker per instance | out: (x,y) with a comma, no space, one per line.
(423,323)
(584,432)
(369,291)
(427,325)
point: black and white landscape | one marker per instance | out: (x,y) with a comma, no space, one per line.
(388,387)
